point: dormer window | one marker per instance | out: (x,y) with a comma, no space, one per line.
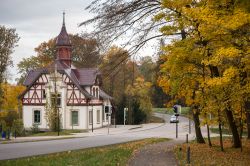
(95,92)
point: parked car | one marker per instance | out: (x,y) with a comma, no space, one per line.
(174,119)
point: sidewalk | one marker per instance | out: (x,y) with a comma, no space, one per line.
(160,154)
(112,130)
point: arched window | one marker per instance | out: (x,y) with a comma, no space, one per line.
(93,91)
(96,92)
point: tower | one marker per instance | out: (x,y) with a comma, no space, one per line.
(63,45)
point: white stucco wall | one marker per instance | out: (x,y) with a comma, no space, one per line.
(83,111)
(28,117)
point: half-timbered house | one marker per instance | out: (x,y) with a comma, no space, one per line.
(79,96)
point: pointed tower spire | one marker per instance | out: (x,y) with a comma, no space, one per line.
(63,18)
(63,45)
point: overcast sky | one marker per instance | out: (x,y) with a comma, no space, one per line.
(40,20)
(37,21)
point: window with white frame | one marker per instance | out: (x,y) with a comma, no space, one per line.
(93,91)
(96,92)
(37,116)
(74,118)
(98,118)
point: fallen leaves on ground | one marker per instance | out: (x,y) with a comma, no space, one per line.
(202,154)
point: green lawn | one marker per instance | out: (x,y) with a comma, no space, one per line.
(154,119)
(161,110)
(184,110)
(226,131)
(50,133)
(108,155)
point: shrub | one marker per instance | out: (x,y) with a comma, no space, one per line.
(35,129)
(18,128)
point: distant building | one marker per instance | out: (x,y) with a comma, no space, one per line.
(80,99)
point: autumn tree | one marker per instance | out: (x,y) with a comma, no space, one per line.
(148,69)
(10,96)
(140,92)
(213,57)
(8,40)
(116,78)
(85,51)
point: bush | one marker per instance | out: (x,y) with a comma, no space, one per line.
(138,115)
(35,129)
(18,128)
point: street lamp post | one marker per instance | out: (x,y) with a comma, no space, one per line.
(109,114)
(92,119)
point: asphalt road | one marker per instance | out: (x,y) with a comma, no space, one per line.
(17,150)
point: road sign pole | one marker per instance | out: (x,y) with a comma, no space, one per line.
(108,123)
(176,129)
(189,123)
(188,155)
(124,116)
(109,116)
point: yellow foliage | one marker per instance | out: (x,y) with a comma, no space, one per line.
(10,98)
(217,37)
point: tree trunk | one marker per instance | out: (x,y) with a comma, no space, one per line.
(233,127)
(236,138)
(198,133)
(221,141)
(247,109)
(208,136)
(248,125)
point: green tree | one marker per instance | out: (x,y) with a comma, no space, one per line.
(8,40)
(140,91)
(117,74)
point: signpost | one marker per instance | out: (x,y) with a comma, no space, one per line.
(124,115)
(108,110)
(176,116)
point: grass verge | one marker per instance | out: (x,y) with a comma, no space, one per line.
(108,155)
(52,133)
(47,139)
(202,154)
(154,119)
(225,131)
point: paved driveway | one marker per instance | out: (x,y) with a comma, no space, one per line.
(167,130)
